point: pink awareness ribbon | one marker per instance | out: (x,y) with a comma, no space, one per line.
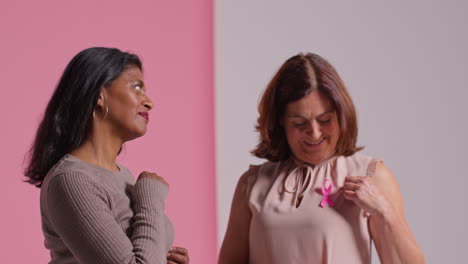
(326,194)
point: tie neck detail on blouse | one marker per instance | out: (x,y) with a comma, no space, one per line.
(300,176)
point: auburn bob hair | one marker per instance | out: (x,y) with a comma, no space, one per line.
(296,78)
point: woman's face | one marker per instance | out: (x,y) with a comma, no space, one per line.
(128,104)
(312,128)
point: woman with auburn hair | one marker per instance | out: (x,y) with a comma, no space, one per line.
(316,199)
(92,209)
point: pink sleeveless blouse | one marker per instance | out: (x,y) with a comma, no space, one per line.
(288,224)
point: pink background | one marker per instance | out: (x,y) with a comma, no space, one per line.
(175,41)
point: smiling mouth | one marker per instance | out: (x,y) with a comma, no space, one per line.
(145,115)
(315,144)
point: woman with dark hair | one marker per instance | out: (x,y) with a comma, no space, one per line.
(316,200)
(92,209)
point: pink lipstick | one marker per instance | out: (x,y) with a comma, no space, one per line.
(145,115)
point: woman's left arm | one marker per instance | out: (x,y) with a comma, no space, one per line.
(380,196)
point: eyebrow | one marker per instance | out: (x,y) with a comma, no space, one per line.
(300,116)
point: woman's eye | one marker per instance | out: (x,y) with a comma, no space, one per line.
(299,124)
(324,121)
(138,87)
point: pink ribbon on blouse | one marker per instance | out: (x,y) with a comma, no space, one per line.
(326,194)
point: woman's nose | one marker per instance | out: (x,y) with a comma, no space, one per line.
(148,103)
(314,130)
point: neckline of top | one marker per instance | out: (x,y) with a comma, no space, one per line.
(75,159)
(301,163)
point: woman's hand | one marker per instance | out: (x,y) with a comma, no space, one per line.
(380,196)
(152,175)
(365,193)
(178,255)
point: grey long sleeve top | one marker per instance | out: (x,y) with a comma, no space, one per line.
(93,215)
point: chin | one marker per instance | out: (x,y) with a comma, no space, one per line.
(135,134)
(141,133)
(140,130)
(315,158)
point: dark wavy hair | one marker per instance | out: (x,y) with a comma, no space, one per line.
(296,78)
(67,118)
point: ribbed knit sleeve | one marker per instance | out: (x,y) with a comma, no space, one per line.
(80,211)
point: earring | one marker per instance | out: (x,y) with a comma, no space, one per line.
(105,115)
(107,112)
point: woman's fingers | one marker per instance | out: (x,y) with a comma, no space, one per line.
(350,195)
(179,250)
(178,255)
(354,179)
(152,175)
(178,258)
(351,186)
(364,193)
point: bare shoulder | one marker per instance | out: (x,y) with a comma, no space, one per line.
(384,176)
(244,178)
(387,183)
(249,175)
(382,172)
(243,182)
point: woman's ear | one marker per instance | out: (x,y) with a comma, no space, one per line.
(100,101)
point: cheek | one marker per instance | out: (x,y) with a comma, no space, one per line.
(328,130)
(334,131)
(293,135)
(129,105)
(132,101)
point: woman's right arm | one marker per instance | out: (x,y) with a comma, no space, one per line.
(235,247)
(79,210)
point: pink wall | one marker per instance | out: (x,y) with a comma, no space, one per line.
(175,41)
